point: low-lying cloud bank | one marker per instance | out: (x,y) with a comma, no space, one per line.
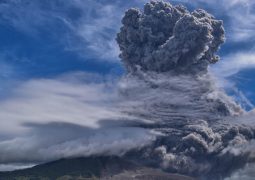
(166,112)
(65,117)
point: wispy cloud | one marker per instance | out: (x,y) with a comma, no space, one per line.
(64,117)
(97,27)
(53,100)
(234,63)
(99,31)
(242,19)
(86,27)
(10,167)
(89,27)
(230,66)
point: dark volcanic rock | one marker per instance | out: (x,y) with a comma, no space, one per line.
(148,174)
(84,167)
(104,168)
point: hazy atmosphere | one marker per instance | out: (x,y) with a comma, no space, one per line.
(165,85)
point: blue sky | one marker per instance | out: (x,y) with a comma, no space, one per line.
(53,53)
(46,39)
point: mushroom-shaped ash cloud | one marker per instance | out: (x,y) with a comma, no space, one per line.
(164,37)
(166,50)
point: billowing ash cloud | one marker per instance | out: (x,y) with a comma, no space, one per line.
(198,123)
(163,37)
(167,111)
(166,50)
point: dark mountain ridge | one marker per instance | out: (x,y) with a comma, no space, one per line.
(108,167)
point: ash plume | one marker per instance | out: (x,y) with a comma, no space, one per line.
(166,51)
(164,37)
(167,112)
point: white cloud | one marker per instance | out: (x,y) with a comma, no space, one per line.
(243,25)
(64,117)
(90,33)
(96,29)
(229,66)
(46,100)
(246,119)
(10,167)
(234,63)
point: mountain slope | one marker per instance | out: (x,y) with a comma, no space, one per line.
(89,168)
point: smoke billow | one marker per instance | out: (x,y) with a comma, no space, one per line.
(165,37)
(167,112)
(197,123)
(166,50)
